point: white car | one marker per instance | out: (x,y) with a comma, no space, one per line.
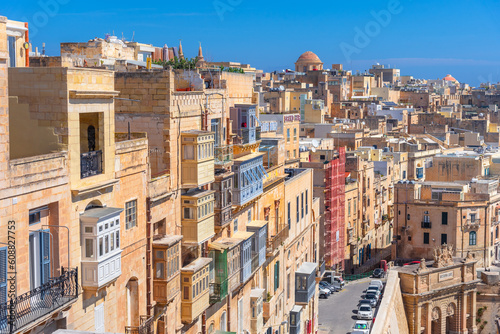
(378,283)
(374,291)
(324,293)
(365,312)
(361,326)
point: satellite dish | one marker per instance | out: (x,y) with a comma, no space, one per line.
(282,88)
(313,149)
(315,143)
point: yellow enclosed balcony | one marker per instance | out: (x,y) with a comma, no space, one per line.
(195,284)
(197,158)
(198,215)
(167,263)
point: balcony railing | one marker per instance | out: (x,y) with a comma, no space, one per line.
(275,241)
(218,291)
(27,308)
(223,155)
(426,224)
(91,164)
(146,326)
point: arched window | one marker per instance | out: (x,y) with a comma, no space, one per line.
(223,322)
(472,238)
(211,328)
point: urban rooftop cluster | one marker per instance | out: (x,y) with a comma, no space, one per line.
(145,192)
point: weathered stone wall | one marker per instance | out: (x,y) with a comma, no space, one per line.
(391,317)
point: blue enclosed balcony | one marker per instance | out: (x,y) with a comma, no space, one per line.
(245,254)
(249,174)
(305,282)
(259,242)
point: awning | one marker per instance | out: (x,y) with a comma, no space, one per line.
(251,176)
(255,174)
(246,177)
(263,170)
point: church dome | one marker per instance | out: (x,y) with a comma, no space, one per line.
(309,57)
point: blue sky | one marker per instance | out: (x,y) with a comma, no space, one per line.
(426,39)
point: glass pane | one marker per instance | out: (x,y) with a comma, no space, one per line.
(89,248)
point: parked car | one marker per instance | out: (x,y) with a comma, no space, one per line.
(336,281)
(365,301)
(410,263)
(379,273)
(377,282)
(374,287)
(375,292)
(324,293)
(327,286)
(365,312)
(361,326)
(372,298)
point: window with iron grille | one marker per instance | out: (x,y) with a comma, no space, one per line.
(130,214)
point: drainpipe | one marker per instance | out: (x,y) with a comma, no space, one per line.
(485,235)
(462,229)
(204,253)
(27,39)
(149,305)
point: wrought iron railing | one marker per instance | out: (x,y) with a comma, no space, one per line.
(276,240)
(37,303)
(91,164)
(218,291)
(146,326)
(426,224)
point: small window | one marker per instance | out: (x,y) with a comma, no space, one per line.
(34,217)
(249,215)
(112,243)
(106,226)
(235,226)
(89,229)
(472,238)
(426,238)
(130,214)
(117,238)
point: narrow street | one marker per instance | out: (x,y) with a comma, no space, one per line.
(337,314)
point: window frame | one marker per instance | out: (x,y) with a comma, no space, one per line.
(131,214)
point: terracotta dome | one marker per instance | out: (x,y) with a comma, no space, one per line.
(309,57)
(448,77)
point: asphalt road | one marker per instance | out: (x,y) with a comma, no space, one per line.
(337,314)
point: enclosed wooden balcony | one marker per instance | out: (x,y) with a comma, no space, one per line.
(166,264)
(198,215)
(225,253)
(197,158)
(195,285)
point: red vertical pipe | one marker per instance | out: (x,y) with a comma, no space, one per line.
(27,40)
